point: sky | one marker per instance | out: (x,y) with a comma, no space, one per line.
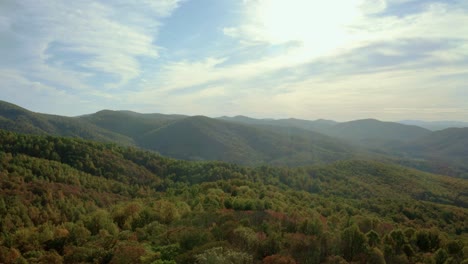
(310,59)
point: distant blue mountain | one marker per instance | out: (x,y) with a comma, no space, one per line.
(435,125)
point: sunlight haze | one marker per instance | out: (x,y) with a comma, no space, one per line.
(340,60)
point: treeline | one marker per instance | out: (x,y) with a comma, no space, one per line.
(66,200)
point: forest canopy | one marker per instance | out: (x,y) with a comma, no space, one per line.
(67,200)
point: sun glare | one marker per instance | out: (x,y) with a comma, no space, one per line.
(318,24)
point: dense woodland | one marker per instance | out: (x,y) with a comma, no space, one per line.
(254,142)
(67,200)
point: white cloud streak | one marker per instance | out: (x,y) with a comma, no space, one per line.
(363,65)
(107,37)
(335,91)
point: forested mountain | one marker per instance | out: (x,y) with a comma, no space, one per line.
(131,124)
(435,125)
(203,138)
(370,130)
(316,125)
(449,143)
(406,144)
(192,138)
(15,118)
(448,146)
(364,130)
(65,200)
(249,141)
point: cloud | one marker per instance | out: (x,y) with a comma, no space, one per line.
(303,58)
(83,38)
(377,42)
(330,27)
(4,23)
(311,23)
(162,8)
(375,94)
(373,6)
(387,64)
(15,86)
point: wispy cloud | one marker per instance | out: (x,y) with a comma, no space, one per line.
(65,43)
(40,97)
(362,47)
(304,58)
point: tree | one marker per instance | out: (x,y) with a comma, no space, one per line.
(353,242)
(128,252)
(440,256)
(376,257)
(220,255)
(278,259)
(51,257)
(373,239)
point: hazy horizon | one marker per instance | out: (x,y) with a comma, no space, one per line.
(403,121)
(391,60)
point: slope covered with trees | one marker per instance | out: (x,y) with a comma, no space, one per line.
(448,147)
(371,131)
(316,125)
(65,200)
(248,141)
(203,138)
(17,119)
(191,138)
(435,125)
(130,124)
(358,131)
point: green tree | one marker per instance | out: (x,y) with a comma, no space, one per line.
(373,239)
(220,255)
(376,257)
(353,242)
(440,256)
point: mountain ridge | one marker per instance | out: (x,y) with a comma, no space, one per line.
(245,140)
(435,125)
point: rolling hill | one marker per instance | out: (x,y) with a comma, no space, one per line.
(250,141)
(435,125)
(370,130)
(369,133)
(183,137)
(201,137)
(364,130)
(316,125)
(448,147)
(130,124)
(15,118)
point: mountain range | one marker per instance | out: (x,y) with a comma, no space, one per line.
(249,141)
(435,125)
(84,189)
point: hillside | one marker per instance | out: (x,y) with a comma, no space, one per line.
(74,201)
(435,125)
(369,131)
(15,118)
(130,124)
(445,143)
(357,131)
(190,138)
(316,125)
(448,147)
(203,138)
(249,141)
(210,139)
(181,136)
